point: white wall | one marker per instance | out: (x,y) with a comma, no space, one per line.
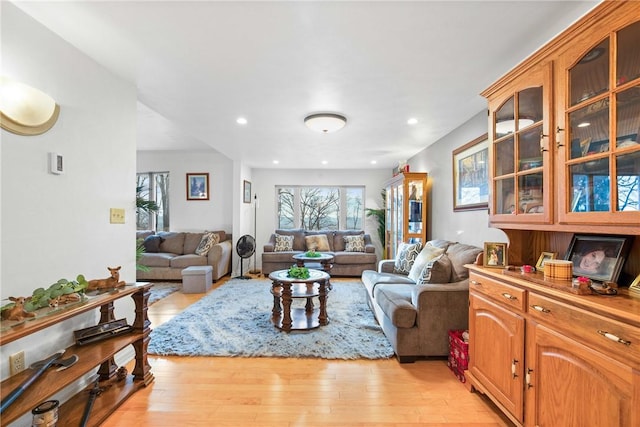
(194,215)
(57,226)
(265,181)
(470,226)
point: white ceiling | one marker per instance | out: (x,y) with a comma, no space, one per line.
(199,65)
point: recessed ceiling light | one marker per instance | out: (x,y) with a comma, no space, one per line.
(412,121)
(373,162)
(275,162)
(324,162)
(241,121)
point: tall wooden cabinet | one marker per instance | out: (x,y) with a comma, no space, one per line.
(548,357)
(406,211)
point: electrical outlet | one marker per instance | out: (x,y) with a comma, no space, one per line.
(16,363)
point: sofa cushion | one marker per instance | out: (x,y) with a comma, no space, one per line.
(438,270)
(407,253)
(187,260)
(317,242)
(427,254)
(162,259)
(152,243)
(298,237)
(191,242)
(353,258)
(283,243)
(143,234)
(461,254)
(173,242)
(440,243)
(354,243)
(206,243)
(339,244)
(395,302)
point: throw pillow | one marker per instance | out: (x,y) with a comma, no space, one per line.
(283,243)
(152,243)
(426,254)
(317,242)
(354,243)
(206,243)
(407,253)
(438,270)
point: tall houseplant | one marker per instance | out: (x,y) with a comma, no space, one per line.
(380,216)
(150,207)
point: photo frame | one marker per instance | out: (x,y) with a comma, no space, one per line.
(635,285)
(471,175)
(495,255)
(246,191)
(598,257)
(198,186)
(544,256)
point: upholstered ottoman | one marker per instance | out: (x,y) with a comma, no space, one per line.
(196,279)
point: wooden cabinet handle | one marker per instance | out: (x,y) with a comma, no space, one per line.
(540,308)
(509,296)
(614,337)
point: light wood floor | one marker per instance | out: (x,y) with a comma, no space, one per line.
(263,392)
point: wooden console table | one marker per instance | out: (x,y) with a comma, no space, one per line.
(100,354)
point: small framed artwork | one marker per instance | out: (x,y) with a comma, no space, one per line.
(471,176)
(56,163)
(246,191)
(635,285)
(598,257)
(198,186)
(544,256)
(495,254)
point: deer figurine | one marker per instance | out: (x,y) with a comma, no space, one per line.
(17,312)
(109,282)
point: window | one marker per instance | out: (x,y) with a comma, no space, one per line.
(152,187)
(320,208)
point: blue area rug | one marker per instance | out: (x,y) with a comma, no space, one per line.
(235,320)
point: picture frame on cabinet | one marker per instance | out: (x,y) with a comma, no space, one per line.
(635,285)
(471,175)
(544,256)
(495,255)
(598,257)
(198,186)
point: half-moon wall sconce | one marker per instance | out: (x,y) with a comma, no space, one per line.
(25,110)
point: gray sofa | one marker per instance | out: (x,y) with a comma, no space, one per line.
(168,253)
(416,318)
(344,263)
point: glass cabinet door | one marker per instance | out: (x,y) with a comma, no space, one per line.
(600,119)
(415,223)
(406,211)
(520,147)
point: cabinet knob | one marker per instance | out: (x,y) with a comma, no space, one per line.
(509,296)
(540,308)
(613,337)
(476,283)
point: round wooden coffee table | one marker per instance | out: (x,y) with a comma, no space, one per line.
(285,289)
(321,261)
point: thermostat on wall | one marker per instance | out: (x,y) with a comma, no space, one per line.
(56,164)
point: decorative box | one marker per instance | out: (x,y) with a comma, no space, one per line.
(458,360)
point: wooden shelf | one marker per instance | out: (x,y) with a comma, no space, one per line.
(96,356)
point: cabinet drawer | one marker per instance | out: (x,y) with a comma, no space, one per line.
(507,294)
(613,338)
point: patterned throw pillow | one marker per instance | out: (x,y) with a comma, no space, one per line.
(427,254)
(407,253)
(354,243)
(317,242)
(206,243)
(438,270)
(283,243)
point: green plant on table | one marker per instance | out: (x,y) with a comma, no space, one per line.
(312,254)
(298,272)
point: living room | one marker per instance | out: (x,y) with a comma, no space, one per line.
(63,220)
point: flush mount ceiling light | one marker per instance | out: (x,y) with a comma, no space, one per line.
(325,122)
(25,110)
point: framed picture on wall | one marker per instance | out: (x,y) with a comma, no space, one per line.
(471,175)
(246,191)
(198,186)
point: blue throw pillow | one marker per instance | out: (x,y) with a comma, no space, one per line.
(152,243)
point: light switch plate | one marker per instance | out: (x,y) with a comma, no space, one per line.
(117,216)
